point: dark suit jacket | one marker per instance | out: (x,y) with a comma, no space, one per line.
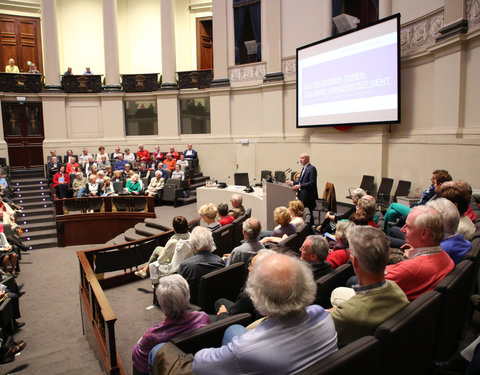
(192,269)
(308,186)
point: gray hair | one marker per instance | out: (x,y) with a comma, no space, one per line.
(319,246)
(368,206)
(358,193)
(342,230)
(431,219)
(370,246)
(281,286)
(449,213)
(173,295)
(252,228)
(158,173)
(201,239)
(237,198)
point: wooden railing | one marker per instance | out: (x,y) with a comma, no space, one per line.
(21,82)
(87,83)
(98,317)
(102,218)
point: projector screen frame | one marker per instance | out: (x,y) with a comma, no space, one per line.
(398,88)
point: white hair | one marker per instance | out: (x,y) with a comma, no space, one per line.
(201,239)
(281,286)
(173,295)
(449,213)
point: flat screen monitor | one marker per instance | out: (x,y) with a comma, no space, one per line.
(241,179)
(351,79)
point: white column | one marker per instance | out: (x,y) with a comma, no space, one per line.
(272,39)
(110,42)
(50,48)
(385,8)
(220,52)
(168,44)
(327,22)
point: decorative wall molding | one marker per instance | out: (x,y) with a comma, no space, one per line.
(289,67)
(245,73)
(418,35)
(473,12)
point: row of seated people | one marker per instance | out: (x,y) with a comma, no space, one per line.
(117,160)
(379,291)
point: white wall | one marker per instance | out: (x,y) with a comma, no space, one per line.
(412,9)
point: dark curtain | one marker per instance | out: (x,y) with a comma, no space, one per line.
(336,7)
(375,4)
(239,14)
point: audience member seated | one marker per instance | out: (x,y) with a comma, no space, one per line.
(453,243)
(103,163)
(118,176)
(133,185)
(116,153)
(143,171)
(173,296)
(93,171)
(53,166)
(426,262)
(101,152)
(129,157)
(208,213)
(7,254)
(340,253)
(397,210)
(68,157)
(79,184)
(170,162)
(93,188)
(3,184)
(157,183)
(178,173)
(283,218)
(33,69)
(158,155)
(164,254)
(182,163)
(71,165)
(60,183)
(331,218)
(183,250)
(281,288)
(100,177)
(8,214)
(161,168)
(190,153)
(127,171)
(368,207)
(83,159)
(108,171)
(174,153)
(11,67)
(89,165)
(225,218)
(87,71)
(243,302)
(120,163)
(314,251)
(142,154)
(373,300)
(152,164)
(237,206)
(203,262)
(296,209)
(250,245)
(107,189)
(460,194)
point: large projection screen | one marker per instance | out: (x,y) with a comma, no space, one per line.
(351,79)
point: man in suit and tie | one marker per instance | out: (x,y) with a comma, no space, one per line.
(306,187)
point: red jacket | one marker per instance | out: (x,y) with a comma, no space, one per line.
(58,175)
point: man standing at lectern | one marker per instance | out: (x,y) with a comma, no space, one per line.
(306,187)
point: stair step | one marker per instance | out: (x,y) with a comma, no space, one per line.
(41,243)
(41,204)
(154,223)
(131,235)
(196,185)
(38,234)
(28,180)
(188,200)
(145,230)
(30,227)
(31,198)
(38,187)
(118,240)
(30,193)
(30,219)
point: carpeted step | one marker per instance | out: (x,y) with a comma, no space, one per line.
(37,187)
(189,200)
(38,218)
(132,235)
(31,198)
(154,223)
(38,234)
(29,180)
(145,230)
(196,185)
(36,211)
(30,193)
(41,243)
(32,227)
(41,204)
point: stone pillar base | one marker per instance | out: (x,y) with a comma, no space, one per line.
(271,77)
(169,86)
(112,87)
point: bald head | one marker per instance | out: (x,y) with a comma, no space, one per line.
(304,159)
(236,200)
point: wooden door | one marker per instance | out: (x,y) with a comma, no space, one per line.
(23,132)
(20,39)
(204,43)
